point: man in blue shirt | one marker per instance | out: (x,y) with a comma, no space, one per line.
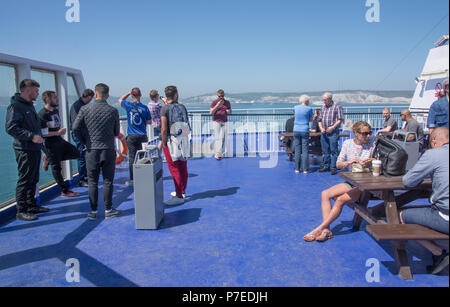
(138,118)
(438,116)
(434,163)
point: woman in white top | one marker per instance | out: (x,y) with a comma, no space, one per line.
(357,151)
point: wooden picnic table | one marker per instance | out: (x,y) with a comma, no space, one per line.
(383,188)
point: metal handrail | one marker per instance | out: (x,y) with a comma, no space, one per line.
(124,118)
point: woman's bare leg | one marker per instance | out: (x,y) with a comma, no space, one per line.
(351,195)
(329,194)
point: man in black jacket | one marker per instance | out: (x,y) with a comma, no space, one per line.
(74,110)
(96,126)
(22,123)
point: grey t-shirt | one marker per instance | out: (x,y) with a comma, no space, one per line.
(414,126)
(390,122)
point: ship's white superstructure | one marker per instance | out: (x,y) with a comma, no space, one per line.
(430,81)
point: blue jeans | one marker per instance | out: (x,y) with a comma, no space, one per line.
(330,149)
(82,160)
(428,217)
(301,142)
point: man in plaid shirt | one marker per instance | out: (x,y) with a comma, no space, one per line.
(155,109)
(330,119)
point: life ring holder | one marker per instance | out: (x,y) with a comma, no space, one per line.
(124,153)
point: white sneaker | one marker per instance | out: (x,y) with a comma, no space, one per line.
(174,194)
(297,172)
(175,201)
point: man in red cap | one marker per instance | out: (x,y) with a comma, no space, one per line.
(138,118)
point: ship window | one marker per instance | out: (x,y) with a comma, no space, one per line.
(72,90)
(47,81)
(7,159)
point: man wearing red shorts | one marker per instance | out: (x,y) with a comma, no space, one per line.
(172,114)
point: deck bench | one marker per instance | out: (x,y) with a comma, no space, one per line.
(404,232)
(392,230)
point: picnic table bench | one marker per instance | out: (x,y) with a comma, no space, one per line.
(390,230)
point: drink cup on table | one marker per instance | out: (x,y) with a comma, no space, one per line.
(376,166)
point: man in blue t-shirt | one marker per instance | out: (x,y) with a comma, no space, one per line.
(439,114)
(138,118)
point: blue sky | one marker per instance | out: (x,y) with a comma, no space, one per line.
(241,46)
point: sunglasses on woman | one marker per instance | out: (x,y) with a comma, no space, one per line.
(365,133)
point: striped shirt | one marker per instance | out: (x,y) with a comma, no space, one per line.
(155,112)
(330,115)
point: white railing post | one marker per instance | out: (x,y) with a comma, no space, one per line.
(23,71)
(64,108)
(197,134)
(79,83)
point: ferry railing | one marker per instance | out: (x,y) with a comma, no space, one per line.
(67,82)
(286,110)
(250,134)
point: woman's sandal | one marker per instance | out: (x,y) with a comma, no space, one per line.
(312,236)
(324,236)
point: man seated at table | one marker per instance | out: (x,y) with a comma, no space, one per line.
(315,123)
(414,127)
(390,124)
(434,163)
(289,140)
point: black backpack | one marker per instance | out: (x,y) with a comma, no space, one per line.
(393,157)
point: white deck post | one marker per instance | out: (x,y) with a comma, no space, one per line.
(64,108)
(23,71)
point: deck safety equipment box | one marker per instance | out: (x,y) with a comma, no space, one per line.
(148,189)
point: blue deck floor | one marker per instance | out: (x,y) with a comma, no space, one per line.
(243,226)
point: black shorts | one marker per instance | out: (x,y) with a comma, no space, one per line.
(59,151)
